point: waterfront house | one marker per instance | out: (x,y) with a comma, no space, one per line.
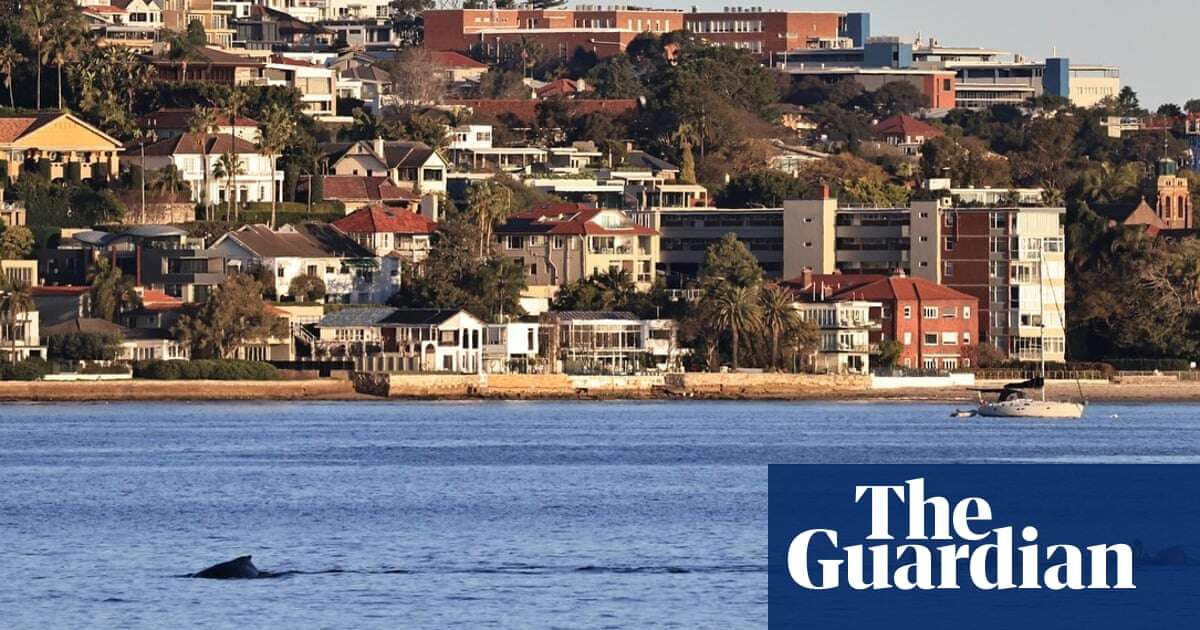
(351,273)
(20,338)
(384,339)
(513,347)
(134,344)
(608,342)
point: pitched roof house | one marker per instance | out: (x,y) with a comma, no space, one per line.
(258,181)
(413,164)
(389,232)
(906,132)
(62,139)
(383,339)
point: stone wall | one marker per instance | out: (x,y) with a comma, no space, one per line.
(765,385)
(325,389)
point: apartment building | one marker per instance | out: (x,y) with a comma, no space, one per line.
(565,242)
(177,14)
(606,31)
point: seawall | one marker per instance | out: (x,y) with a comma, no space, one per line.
(326,389)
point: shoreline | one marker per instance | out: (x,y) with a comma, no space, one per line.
(328,390)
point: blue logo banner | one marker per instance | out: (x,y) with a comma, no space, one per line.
(984,546)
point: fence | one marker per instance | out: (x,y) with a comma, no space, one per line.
(1012,375)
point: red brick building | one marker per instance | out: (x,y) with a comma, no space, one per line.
(606,32)
(938,326)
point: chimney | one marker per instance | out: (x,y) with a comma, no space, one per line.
(824,191)
(806,277)
(377,145)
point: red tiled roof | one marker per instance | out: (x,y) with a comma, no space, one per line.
(450,59)
(873,287)
(907,126)
(526,110)
(558,87)
(566,218)
(103,8)
(13,127)
(375,219)
(357,187)
(289,61)
(158,298)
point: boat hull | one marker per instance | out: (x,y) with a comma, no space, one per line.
(1027,408)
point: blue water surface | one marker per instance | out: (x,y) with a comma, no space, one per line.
(429,515)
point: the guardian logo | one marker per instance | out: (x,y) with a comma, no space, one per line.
(974,554)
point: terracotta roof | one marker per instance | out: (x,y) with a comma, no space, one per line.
(366,73)
(558,87)
(289,61)
(450,59)
(309,240)
(357,187)
(907,126)
(190,144)
(874,288)
(525,110)
(46,291)
(180,118)
(157,299)
(103,8)
(211,55)
(566,218)
(375,219)
(14,127)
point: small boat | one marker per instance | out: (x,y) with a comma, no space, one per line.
(963,413)
(1013,401)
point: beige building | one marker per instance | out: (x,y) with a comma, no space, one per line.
(59,138)
(565,242)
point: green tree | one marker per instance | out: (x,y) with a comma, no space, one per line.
(889,352)
(16,241)
(82,346)
(488,202)
(169,181)
(227,168)
(37,19)
(109,292)
(10,59)
(307,288)
(736,310)
(898,97)
(761,188)
(65,39)
(779,316)
(729,262)
(203,121)
(233,315)
(278,131)
(195,35)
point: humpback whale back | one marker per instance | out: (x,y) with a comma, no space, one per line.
(237,569)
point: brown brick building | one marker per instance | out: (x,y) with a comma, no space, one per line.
(608,31)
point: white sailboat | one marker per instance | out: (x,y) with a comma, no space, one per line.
(1013,401)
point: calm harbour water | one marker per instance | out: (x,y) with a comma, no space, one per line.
(427,515)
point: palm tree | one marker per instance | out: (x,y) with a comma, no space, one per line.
(16,300)
(778,316)
(109,290)
(227,168)
(10,58)
(276,134)
(616,286)
(169,181)
(737,310)
(203,122)
(233,102)
(65,38)
(37,18)
(490,202)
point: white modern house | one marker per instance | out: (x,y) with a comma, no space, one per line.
(258,179)
(512,347)
(351,274)
(383,339)
(845,328)
(21,339)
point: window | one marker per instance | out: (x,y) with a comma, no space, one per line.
(907,338)
(559,242)
(996,269)
(907,312)
(950,242)
(966,339)
(514,242)
(966,312)
(997,221)
(279,271)
(885,313)
(931,339)
(312,270)
(949,313)
(998,245)
(533,269)
(949,364)
(947,268)
(949,339)
(929,312)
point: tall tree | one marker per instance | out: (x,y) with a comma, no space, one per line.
(203,122)
(233,315)
(227,168)
(109,291)
(37,19)
(65,39)
(10,58)
(779,316)
(737,311)
(278,130)
(232,102)
(488,202)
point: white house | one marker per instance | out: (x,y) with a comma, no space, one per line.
(25,331)
(316,83)
(258,180)
(512,347)
(351,273)
(382,339)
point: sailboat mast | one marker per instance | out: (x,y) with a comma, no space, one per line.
(1042,317)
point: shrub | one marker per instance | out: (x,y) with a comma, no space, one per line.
(1149,365)
(306,288)
(82,346)
(206,370)
(27,370)
(74,172)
